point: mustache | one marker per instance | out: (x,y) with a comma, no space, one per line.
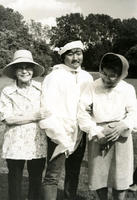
(75,61)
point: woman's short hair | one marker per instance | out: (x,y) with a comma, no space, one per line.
(112,62)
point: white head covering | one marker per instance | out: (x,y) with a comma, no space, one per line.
(22,56)
(68,46)
(125,64)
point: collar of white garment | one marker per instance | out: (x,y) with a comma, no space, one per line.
(120,87)
(65,67)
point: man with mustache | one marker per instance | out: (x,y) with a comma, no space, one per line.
(66,143)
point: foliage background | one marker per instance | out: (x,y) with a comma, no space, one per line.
(99,33)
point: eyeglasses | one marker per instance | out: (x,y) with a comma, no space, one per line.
(112,78)
(24,67)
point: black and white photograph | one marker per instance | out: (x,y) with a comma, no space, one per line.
(68,99)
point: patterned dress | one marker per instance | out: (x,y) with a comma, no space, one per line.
(25,141)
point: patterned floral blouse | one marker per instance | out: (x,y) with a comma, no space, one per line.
(25,141)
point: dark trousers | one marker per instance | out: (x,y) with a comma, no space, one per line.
(35,168)
(54,168)
(135,176)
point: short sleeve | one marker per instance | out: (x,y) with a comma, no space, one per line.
(5,106)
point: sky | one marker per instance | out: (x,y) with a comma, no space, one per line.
(46,11)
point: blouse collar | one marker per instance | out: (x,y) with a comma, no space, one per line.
(15,88)
(100,89)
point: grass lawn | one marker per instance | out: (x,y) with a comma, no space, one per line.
(83,193)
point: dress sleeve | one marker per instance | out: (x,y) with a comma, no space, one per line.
(6,109)
(85,120)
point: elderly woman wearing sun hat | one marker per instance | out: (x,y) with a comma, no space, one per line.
(20,111)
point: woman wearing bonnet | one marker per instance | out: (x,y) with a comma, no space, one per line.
(20,111)
(109,127)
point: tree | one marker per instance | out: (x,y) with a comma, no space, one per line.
(126,36)
(100,33)
(42,54)
(97,32)
(93,54)
(67,26)
(38,31)
(9,19)
(17,34)
(131,56)
(13,34)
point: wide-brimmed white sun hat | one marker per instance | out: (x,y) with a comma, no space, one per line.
(22,56)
